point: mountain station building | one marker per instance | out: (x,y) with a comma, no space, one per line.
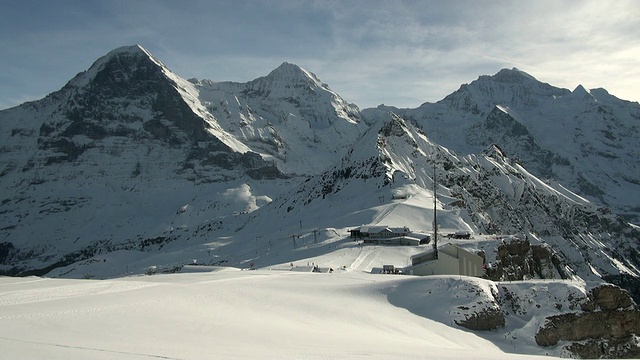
(386,235)
(452,260)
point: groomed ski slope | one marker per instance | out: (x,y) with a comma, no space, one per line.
(226,313)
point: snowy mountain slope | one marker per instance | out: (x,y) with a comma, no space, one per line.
(108,161)
(583,139)
(126,98)
(128,152)
(288,114)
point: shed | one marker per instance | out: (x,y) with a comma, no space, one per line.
(452,260)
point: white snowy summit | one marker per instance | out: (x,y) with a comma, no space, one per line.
(130,169)
(289,115)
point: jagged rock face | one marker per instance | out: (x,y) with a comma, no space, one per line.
(129,80)
(519,260)
(596,325)
(622,348)
(626,281)
(123,103)
(608,298)
(607,327)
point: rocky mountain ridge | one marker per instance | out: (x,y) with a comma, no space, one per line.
(583,139)
(488,194)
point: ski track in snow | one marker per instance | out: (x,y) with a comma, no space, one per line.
(92,351)
(9,297)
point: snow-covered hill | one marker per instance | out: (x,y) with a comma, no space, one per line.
(231,314)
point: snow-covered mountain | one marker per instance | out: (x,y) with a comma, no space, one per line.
(131,169)
(287,115)
(391,169)
(584,139)
(127,153)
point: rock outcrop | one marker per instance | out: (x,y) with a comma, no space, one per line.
(487,319)
(518,259)
(607,327)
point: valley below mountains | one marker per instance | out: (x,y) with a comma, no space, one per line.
(130,169)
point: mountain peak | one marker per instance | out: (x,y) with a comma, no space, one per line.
(513,75)
(125,57)
(509,87)
(293,73)
(581,93)
(580,90)
(133,49)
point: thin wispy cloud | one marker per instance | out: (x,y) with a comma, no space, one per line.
(400,53)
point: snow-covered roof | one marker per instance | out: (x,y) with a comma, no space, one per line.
(379,228)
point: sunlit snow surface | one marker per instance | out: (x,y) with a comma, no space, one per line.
(233,314)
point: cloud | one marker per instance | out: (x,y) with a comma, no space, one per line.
(401,53)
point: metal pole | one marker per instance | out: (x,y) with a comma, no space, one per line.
(435,219)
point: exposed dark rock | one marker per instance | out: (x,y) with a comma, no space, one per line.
(393,128)
(487,319)
(517,259)
(606,328)
(623,348)
(607,298)
(589,325)
(7,250)
(514,138)
(266,172)
(627,282)
(547,262)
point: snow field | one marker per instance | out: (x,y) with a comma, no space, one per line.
(232,314)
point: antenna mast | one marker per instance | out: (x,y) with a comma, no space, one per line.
(435,219)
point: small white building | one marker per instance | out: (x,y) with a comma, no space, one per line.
(452,260)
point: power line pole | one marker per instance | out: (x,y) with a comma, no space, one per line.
(315,237)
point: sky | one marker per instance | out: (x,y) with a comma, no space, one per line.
(400,53)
